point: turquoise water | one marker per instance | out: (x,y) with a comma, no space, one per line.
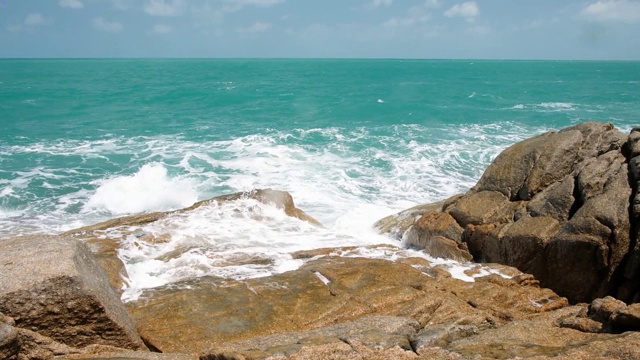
(86,140)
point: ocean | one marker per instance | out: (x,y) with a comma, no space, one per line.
(82,141)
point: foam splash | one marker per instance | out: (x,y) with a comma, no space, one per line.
(238,240)
(555,107)
(247,239)
(329,171)
(147,190)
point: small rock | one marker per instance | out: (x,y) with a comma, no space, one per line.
(9,344)
(441,336)
(627,319)
(581,324)
(602,309)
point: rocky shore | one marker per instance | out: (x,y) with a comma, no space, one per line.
(552,226)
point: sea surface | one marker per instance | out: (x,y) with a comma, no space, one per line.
(82,141)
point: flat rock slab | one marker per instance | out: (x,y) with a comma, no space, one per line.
(54,286)
(383,332)
(196,316)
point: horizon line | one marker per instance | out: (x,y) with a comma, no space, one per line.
(300,58)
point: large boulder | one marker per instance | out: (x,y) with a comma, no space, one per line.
(556,206)
(53,285)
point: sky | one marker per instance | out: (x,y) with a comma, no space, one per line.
(431,29)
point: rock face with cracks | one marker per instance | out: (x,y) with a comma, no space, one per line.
(53,285)
(561,206)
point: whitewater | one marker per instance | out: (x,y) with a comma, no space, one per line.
(352,141)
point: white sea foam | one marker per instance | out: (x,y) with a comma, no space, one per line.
(517,107)
(247,239)
(6,191)
(387,169)
(556,106)
(345,178)
(239,239)
(147,190)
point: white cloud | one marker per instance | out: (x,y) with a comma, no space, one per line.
(164,8)
(257,27)
(467,10)
(73,4)
(36,19)
(613,10)
(101,24)
(162,28)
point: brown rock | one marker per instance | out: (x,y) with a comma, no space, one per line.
(557,206)
(439,235)
(620,347)
(382,332)
(442,247)
(555,201)
(627,318)
(324,292)
(396,225)
(131,355)
(436,223)
(54,286)
(4,319)
(602,309)
(482,208)
(105,251)
(523,338)
(582,324)
(36,346)
(523,169)
(280,199)
(484,242)
(441,336)
(589,248)
(630,287)
(9,344)
(522,244)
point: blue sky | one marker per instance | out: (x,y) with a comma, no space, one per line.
(494,29)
